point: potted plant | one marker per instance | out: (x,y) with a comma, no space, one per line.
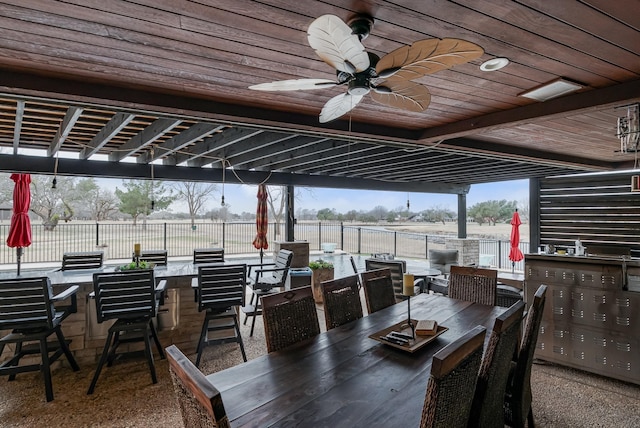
(322,271)
(142,264)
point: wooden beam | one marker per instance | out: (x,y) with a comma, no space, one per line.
(559,107)
(144,138)
(127,170)
(70,119)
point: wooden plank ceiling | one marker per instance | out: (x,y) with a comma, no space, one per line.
(166,81)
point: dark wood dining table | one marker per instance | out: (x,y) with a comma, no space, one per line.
(343,378)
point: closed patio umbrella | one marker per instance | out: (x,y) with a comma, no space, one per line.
(262,221)
(515,255)
(20,229)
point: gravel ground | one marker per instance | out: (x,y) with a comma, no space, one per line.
(125,396)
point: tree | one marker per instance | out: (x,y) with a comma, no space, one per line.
(195,194)
(379,212)
(351,215)
(492,211)
(438,214)
(326,214)
(140,195)
(92,201)
(52,204)
(276,200)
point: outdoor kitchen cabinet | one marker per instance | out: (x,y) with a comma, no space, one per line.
(591,316)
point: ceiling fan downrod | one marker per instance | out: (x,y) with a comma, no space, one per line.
(361,25)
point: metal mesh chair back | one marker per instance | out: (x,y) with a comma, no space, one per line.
(289,317)
(488,403)
(378,289)
(200,402)
(126,294)
(341,301)
(473,284)
(208,255)
(517,403)
(452,382)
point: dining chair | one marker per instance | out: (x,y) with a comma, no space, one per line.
(200,402)
(443,260)
(30,312)
(131,298)
(220,292)
(356,271)
(289,317)
(157,257)
(82,260)
(342,302)
(265,279)
(518,398)
(208,255)
(452,382)
(473,284)
(487,410)
(398,269)
(378,289)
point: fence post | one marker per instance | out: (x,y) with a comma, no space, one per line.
(499,254)
(359,240)
(395,243)
(97,233)
(223,233)
(164,239)
(319,235)
(426,246)
(342,236)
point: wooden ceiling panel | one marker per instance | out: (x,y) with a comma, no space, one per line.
(192,62)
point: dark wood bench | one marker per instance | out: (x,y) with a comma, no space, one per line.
(82,260)
(208,255)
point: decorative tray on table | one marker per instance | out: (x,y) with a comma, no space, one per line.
(404,331)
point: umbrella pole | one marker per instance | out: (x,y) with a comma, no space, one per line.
(19,256)
(260,255)
(513,267)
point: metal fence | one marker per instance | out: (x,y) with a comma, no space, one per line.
(179,239)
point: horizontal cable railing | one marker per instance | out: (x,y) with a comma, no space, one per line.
(179,239)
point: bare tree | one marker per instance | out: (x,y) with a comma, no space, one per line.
(195,194)
(277,204)
(52,203)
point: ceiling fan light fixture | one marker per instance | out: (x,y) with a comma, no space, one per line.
(494,64)
(359,85)
(552,89)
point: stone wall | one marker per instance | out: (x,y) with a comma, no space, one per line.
(468,250)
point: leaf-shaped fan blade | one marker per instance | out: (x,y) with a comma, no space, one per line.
(427,57)
(294,85)
(334,44)
(338,105)
(405,95)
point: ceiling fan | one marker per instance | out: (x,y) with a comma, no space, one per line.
(387,79)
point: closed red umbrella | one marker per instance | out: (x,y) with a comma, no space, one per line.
(20,229)
(515,255)
(262,221)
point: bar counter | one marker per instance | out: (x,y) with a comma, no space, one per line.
(591,317)
(178,320)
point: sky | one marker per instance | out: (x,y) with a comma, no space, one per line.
(242,198)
